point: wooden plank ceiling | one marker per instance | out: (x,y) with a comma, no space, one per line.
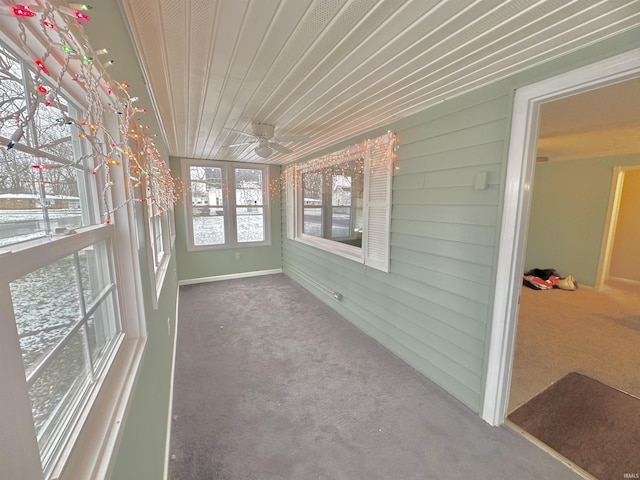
(332,69)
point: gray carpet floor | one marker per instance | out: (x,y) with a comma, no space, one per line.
(272,384)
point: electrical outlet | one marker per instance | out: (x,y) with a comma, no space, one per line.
(237,255)
(337,296)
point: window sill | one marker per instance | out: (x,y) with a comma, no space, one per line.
(91,448)
(226,246)
(337,248)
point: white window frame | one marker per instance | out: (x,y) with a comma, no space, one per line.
(229,203)
(93,439)
(159,232)
(378,176)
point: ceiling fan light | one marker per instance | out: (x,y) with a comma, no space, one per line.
(263,151)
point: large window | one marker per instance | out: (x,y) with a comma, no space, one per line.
(227,204)
(40,181)
(342,202)
(333,201)
(62,321)
(64,303)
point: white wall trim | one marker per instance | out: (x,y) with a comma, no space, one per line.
(606,248)
(515,215)
(231,276)
(167,448)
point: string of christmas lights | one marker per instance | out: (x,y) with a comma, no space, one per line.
(59,29)
(349,161)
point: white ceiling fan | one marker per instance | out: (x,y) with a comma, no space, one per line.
(266,142)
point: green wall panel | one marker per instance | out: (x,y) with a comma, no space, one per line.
(142,449)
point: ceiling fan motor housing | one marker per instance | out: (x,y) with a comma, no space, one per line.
(263,130)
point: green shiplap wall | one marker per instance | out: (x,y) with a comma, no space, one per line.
(431,309)
(211,263)
(569,213)
(434,306)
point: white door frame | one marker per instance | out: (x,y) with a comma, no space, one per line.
(612,223)
(515,215)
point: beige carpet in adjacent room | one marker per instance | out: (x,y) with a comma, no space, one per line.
(594,333)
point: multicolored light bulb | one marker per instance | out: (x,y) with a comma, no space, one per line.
(82,16)
(41,66)
(23,11)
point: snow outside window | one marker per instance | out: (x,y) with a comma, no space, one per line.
(227,204)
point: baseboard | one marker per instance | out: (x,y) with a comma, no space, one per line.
(622,283)
(231,276)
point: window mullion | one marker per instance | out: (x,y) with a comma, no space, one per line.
(83,320)
(230,191)
(327,205)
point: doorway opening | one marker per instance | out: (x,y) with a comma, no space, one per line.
(585,179)
(516,211)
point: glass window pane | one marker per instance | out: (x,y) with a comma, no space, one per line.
(208,230)
(342,185)
(312,188)
(13,104)
(206,186)
(95,273)
(249,187)
(250,224)
(54,393)
(341,222)
(341,190)
(103,328)
(37,194)
(53,131)
(159,246)
(46,304)
(312,224)
(207,205)
(34,202)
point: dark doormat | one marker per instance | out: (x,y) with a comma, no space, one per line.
(595,426)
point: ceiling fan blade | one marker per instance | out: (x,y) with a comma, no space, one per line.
(241,132)
(239,144)
(292,138)
(280,148)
